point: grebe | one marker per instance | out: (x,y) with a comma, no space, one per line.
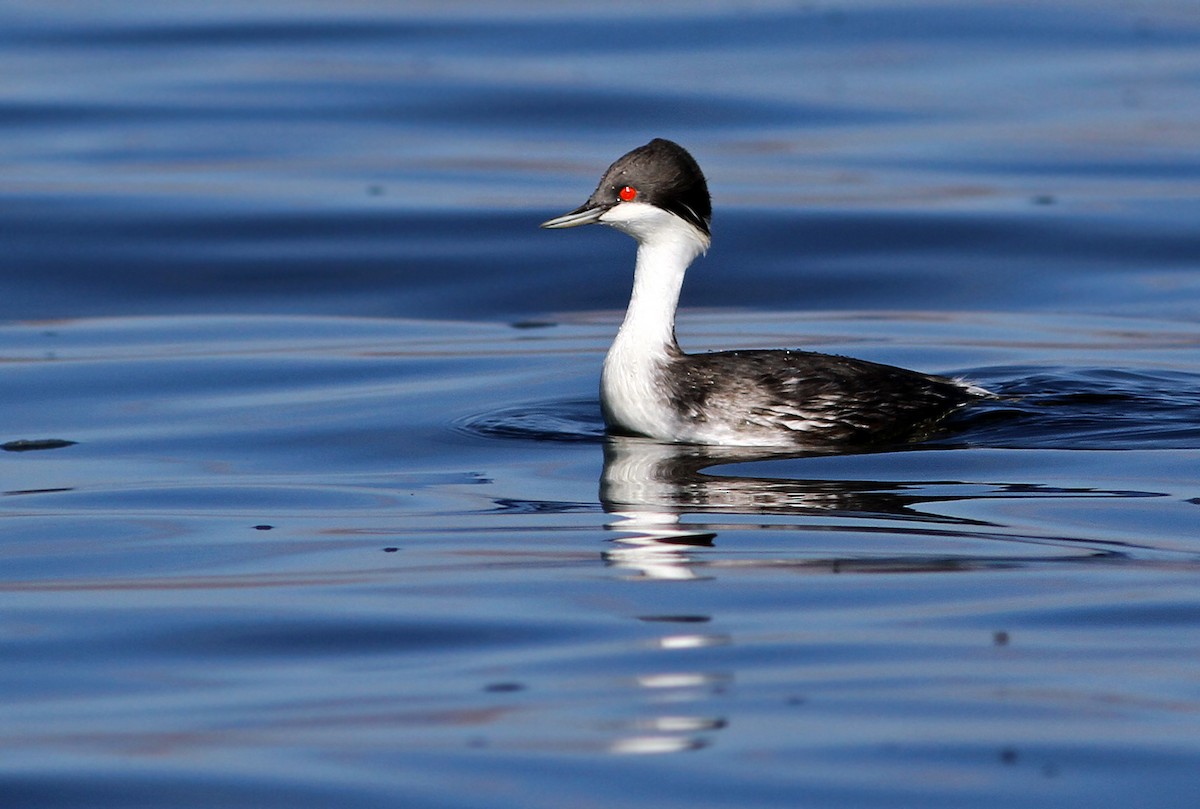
(650,387)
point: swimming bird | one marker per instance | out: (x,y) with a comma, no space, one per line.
(658,195)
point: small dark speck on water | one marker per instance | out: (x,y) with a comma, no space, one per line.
(29,445)
(263,527)
(1008,756)
(390,550)
(534,324)
(1044,199)
(503,688)
(1000,638)
(675,619)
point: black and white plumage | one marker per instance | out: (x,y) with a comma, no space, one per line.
(658,195)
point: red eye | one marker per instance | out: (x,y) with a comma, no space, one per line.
(628,193)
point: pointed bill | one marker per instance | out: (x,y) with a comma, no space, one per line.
(586,214)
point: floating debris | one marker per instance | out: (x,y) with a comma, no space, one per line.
(31,444)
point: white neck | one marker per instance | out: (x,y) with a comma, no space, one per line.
(666,247)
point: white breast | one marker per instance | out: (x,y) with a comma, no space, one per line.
(631,395)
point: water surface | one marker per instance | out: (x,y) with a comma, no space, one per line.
(305,494)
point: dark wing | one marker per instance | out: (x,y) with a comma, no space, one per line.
(818,396)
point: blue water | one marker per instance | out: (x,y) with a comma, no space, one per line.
(305,494)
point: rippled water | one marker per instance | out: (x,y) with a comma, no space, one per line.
(305,494)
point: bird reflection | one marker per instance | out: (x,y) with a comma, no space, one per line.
(652,489)
(649,486)
(645,478)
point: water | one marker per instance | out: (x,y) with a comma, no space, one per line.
(306,500)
